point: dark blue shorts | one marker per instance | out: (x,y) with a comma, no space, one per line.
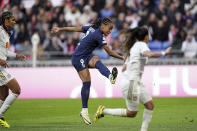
(81,62)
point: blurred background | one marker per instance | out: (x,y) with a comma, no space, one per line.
(48,72)
(170,23)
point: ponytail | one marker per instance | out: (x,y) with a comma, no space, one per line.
(131,36)
(127,44)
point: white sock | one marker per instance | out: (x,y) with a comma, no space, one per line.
(85,110)
(147,116)
(1,103)
(115,112)
(7,103)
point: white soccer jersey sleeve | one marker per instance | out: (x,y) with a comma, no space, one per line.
(143,47)
(4,44)
(136,61)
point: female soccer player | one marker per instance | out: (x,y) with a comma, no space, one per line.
(133,90)
(6,80)
(83,59)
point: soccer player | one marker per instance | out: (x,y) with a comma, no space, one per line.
(83,59)
(6,80)
(133,90)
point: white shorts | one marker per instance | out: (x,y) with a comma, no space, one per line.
(132,99)
(5,77)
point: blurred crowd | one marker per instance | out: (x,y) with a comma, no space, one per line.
(169,21)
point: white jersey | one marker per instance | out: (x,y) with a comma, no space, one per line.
(4,43)
(136,61)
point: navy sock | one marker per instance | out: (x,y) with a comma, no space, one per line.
(85,91)
(102,69)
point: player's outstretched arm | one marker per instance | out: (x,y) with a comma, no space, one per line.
(156,54)
(20,57)
(17,56)
(55,30)
(112,53)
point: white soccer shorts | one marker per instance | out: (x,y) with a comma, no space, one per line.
(132,99)
(5,77)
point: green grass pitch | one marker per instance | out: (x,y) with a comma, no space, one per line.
(170,114)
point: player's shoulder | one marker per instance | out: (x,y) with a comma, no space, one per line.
(98,33)
(91,29)
(1,29)
(140,44)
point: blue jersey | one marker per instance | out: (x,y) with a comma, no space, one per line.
(93,39)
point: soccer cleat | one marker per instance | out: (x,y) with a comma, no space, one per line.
(85,117)
(3,123)
(113,75)
(99,113)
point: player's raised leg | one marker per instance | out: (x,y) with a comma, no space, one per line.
(96,63)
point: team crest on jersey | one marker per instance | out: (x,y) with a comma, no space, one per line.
(134,98)
(7,45)
(9,76)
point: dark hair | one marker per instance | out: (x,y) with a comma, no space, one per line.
(131,36)
(5,15)
(97,23)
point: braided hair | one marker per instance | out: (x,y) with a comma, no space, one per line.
(96,24)
(6,15)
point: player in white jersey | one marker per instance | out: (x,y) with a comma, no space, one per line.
(133,90)
(6,80)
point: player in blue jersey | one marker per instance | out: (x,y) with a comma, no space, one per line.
(83,59)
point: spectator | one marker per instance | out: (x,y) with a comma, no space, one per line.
(120,6)
(178,40)
(189,47)
(158,15)
(21,36)
(80,5)
(87,15)
(161,32)
(54,45)
(172,33)
(73,15)
(108,11)
(189,27)
(120,21)
(178,20)
(171,13)
(70,45)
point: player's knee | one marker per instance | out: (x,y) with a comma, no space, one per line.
(96,58)
(131,113)
(149,105)
(17,91)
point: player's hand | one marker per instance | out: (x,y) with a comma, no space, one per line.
(20,57)
(124,67)
(167,51)
(55,30)
(123,58)
(3,63)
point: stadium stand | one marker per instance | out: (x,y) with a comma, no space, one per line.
(169,22)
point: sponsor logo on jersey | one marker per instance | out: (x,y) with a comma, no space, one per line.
(7,45)
(9,76)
